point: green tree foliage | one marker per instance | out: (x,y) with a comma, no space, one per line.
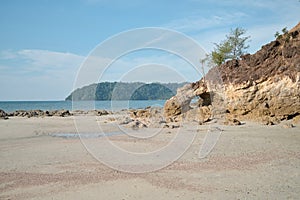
(221,52)
(232,48)
(237,43)
(283,35)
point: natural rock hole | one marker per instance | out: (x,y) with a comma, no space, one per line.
(206,99)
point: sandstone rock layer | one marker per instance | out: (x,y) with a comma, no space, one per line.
(264,86)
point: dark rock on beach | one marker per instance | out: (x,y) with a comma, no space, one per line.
(102,112)
(3,114)
(61,113)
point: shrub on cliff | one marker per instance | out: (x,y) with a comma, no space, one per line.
(232,48)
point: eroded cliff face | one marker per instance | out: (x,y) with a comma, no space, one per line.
(264,87)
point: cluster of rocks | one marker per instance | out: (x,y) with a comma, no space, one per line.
(151,117)
(39,113)
(263,87)
(133,123)
(91,112)
(58,113)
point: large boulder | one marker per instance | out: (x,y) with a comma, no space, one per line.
(200,114)
(3,114)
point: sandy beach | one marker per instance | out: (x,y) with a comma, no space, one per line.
(250,161)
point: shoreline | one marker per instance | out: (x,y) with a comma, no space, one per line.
(12,106)
(135,114)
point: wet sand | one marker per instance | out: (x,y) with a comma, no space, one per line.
(250,161)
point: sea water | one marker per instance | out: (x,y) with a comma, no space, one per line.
(10,106)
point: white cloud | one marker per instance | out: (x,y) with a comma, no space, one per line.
(42,74)
(33,60)
(37,74)
(153,67)
(263,34)
(157,45)
(150,68)
(198,22)
(116,3)
(44,58)
(260,19)
(8,54)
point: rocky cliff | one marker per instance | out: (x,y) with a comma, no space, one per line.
(264,86)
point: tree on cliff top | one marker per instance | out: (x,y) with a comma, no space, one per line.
(232,48)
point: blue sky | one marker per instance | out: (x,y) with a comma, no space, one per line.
(44,42)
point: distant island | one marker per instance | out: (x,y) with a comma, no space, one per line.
(125,91)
